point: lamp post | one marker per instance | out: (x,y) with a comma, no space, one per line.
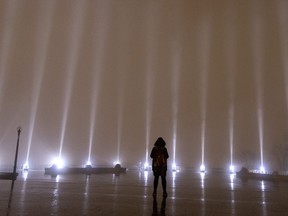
(14,171)
(16,153)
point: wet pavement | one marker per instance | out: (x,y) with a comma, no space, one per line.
(189,193)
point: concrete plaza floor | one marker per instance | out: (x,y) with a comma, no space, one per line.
(189,193)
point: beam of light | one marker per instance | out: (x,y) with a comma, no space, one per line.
(174,138)
(231,69)
(73,50)
(174,147)
(149,90)
(92,125)
(120,117)
(203,126)
(99,43)
(202,168)
(119,128)
(231,133)
(283,17)
(231,169)
(257,29)
(11,12)
(260,131)
(174,167)
(150,60)
(175,94)
(122,78)
(204,50)
(42,40)
(121,99)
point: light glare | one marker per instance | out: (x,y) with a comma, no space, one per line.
(202,168)
(116,162)
(146,165)
(262,170)
(174,167)
(59,163)
(232,169)
(26,166)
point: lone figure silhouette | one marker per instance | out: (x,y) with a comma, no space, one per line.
(159,154)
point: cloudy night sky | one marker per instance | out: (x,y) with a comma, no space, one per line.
(106,78)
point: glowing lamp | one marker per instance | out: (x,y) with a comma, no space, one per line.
(232,169)
(202,168)
(174,167)
(59,163)
(25,167)
(262,170)
(88,165)
(146,166)
(116,162)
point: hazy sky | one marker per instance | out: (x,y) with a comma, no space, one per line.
(112,76)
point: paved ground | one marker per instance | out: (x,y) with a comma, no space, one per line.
(130,194)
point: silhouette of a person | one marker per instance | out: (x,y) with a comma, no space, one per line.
(159,154)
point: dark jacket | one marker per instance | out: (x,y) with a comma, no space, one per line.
(159,162)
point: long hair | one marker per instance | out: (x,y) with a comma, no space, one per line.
(160,142)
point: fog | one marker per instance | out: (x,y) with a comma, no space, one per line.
(104,79)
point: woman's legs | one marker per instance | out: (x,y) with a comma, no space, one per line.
(163,181)
(156,179)
(163,178)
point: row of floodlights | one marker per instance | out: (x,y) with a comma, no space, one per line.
(59,163)
(202,168)
(232,169)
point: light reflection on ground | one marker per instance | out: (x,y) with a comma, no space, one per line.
(131,194)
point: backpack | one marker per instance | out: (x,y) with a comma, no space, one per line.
(160,159)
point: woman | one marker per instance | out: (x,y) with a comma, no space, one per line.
(159,154)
